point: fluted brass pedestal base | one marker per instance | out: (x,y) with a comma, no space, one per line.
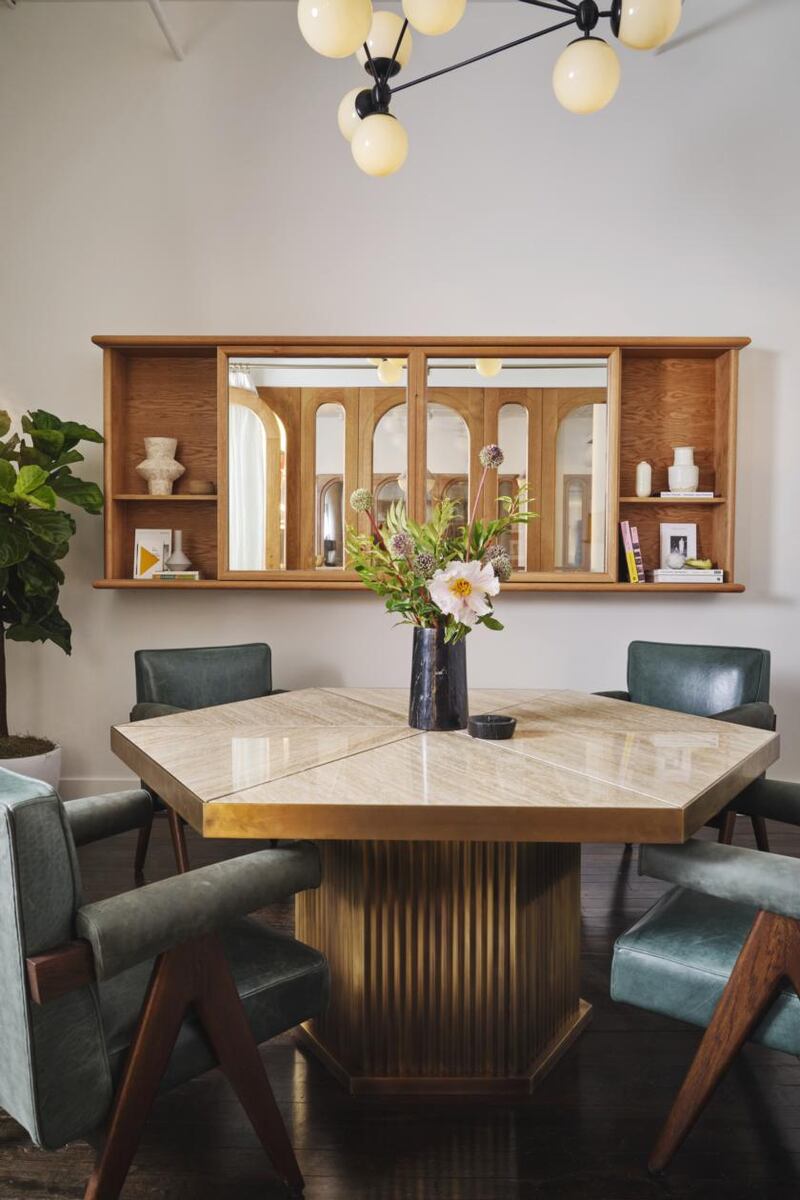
(455,965)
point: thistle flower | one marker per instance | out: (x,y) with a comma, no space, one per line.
(495,551)
(361,500)
(424,564)
(502,567)
(401,545)
(491,457)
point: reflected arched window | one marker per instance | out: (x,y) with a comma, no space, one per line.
(573,484)
(512,436)
(447,462)
(329,449)
(390,459)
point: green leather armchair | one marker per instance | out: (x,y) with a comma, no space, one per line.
(95,995)
(175,681)
(727,683)
(720,950)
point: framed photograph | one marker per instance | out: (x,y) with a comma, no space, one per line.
(678,539)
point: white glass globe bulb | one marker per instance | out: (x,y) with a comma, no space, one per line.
(334,28)
(348,118)
(586,75)
(390,370)
(488,367)
(433,17)
(382,38)
(646,24)
(380,145)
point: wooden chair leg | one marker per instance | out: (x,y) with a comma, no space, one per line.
(760,830)
(771,951)
(140,856)
(178,834)
(159,1024)
(727,827)
(225,1022)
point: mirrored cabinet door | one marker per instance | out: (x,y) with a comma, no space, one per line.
(302,433)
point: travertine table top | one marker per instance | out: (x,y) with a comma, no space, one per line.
(341,763)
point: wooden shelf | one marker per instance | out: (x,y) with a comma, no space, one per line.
(350,585)
(143,497)
(671,500)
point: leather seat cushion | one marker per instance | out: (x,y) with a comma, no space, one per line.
(281,981)
(678,957)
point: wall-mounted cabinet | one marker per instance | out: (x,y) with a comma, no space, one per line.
(285,429)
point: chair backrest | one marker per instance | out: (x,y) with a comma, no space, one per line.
(203,676)
(54,1073)
(702,680)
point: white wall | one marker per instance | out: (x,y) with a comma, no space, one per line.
(216,195)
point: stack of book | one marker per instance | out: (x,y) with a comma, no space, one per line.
(687,575)
(633,551)
(175,576)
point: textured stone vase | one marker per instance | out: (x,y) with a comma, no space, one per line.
(160,468)
(438,682)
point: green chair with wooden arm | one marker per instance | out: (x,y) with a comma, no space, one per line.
(720,950)
(179,680)
(727,683)
(107,1004)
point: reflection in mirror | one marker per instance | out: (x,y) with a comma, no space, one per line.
(330,523)
(303,433)
(447,476)
(549,415)
(390,459)
(512,436)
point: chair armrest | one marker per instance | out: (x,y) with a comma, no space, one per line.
(770,798)
(149,709)
(138,925)
(766,881)
(614,695)
(93,818)
(759,715)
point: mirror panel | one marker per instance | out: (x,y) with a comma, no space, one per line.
(550,417)
(447,475)
(303,433)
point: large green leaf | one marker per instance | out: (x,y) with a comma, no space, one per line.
(48,441)
(78,491)
(8,476)
(49,529)
(15,542)
(40,577)
(5,422)
(39,419)
(52,628)
(29,479)
(42,497)
(75,432)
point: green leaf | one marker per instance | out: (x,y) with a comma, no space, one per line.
(491,622)
(50,528)
(8,476)
(39,419)
(74,432)
(42,497)
(29,479)
(39,577)
(15,543)
(51,628)
(5,422)
(48,441)
(78,491)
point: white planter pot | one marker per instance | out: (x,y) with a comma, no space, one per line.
(46,767)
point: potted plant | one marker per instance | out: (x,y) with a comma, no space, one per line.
(442,582)
(35,474)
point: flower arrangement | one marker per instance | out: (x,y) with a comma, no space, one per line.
(431,577)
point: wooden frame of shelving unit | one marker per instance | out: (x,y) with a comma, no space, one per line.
(671,391)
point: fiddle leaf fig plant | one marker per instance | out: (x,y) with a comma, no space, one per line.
(35,476)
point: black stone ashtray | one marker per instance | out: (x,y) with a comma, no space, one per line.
(491,726)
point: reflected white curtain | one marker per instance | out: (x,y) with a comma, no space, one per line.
(247,488)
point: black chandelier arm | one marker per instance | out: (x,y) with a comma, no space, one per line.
(395,52)
(371,64)
(564,6)
(486,54)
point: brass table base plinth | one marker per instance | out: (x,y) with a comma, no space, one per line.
(455,966)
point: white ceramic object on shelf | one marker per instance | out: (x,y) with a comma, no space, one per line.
(160,468)
(46,767)
(177,561)
(644,479)
(684,476)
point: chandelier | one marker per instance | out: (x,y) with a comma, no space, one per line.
(585,77)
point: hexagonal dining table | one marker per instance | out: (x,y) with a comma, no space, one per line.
(450,903)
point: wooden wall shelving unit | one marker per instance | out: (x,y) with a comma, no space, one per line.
(674,391)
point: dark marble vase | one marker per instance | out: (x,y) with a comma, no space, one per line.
(438,682)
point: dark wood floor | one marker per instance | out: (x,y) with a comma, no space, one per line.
(584,1135)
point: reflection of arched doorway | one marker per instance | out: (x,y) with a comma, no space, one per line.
(256,467)
(330,525)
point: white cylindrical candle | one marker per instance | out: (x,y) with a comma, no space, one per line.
(644,479)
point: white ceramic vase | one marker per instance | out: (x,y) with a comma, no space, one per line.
(160,468)
(684,476)
(644,480)
(46,767)
(177,561)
